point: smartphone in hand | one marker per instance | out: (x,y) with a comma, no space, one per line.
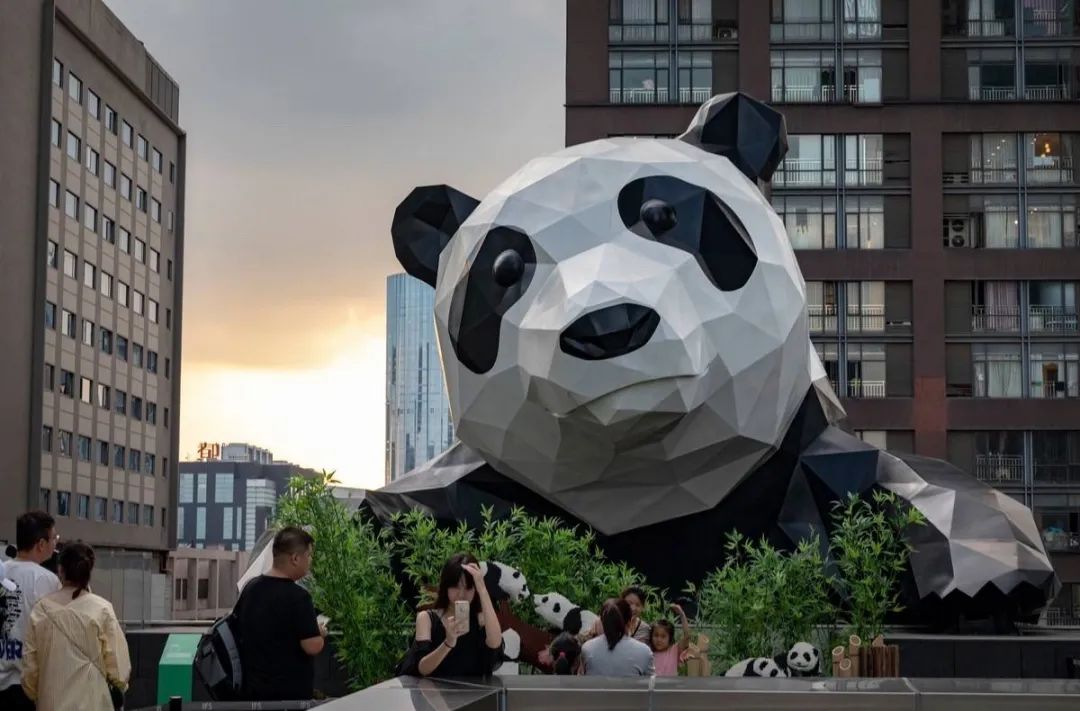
(461,616)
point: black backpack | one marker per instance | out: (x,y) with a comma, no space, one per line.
(217,659)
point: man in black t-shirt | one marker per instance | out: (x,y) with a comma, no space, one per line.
(279,635)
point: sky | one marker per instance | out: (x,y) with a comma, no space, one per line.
(308,122)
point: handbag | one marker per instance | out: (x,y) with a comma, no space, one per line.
(116,692)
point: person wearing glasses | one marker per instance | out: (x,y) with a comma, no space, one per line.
(25,581)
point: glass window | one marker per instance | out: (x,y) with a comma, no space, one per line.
(1055,370)
(862,76)
(156,161)
(71,204)
(864,159)
(86,391)
(124,243)
(56,133)
(74,88)
(51,257)
(695,77)
(227,523)
(200,489)
(125,187)
(133,513)
(981,221)
(1052,307)
(1048,73)
(810,221)
(991,74)
(101,508)
(866,370)
(155,260)
(89,275)
(109,175)
(137,302)
(108,229)
(120,401)
(121,348)
(84,448)
(864,217)
(223,488)
(151,416)
(82,506)
(151,366)
(821,302)
(106,285)
(67,323)
(148,463)
(862,21)
(142,147)
(997,369)
(103,453)
(810,161)
(63,503)
(134,459)
(90,217)
(140,250)
(993,158)
(155,210)
(104,401)
(136,413)
(67,383)
(46,438)
(93,160)
(147,515)
(74,146)
(110,119)
(106,341)
(88,332)
(119,457)
(122,293)
(200,523)
(802,20)
(127,134)
(1050,158)
(1051,221)
(803,76)
(152,312)
(187,488)
(865,306)
(140,199)
(117,511)
(54,193)
(93,104)
(57,72)
(48,376)
(638,77)
(50,315)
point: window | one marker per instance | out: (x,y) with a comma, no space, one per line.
(168,318)
(67,323)
(181,583)
(54,193)
(165,421)
(46,438)
(638,21)
(1051,158)
(101,508)
(84,448)
(803,76)
(155,210)
(74,146)
(63,503)
(82,506)
(172,172)
(810,161)
(127,134)
(134,460)
(48,376)
(109,175)
(86,389)
(227,523)
(110,119)
(866,370)
(106,285)
(121,348)
(151,415)
(864,217)
(93,104)
(993,158)
(106,341)
(137,413)
(120,402)
(125,187)
(71,205)
(172,221)
(695,77)
(125,241)
(1055,370)
(155,260)
(187,488)
(1051,221)
(65,443)
(74,88)
(119,457)
(137,355)
(133,513)
(142,147)
(90,217)
(45,499)
(223,488)
(863,159)
(140,198)
(122,293)
(149,463)
(153,311)
(1048,73)
(108,229)
(57,72)
(89,275)
(200,489)
(156,160)
(865,307)
(88,332)
(977,18)
(200,526)
(67,383)
(51,256)
(168,269)
(997,369)
(140,250)
(56,132)
(147,515)
(151,361)
(168,368)
(138,302)
(103,453)
(117,511)
(638,77)
(50,315)
(810,220)
(104,400)
(93,160)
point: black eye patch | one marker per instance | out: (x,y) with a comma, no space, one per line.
(495,280)
(685,216)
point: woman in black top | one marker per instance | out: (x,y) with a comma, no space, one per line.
(438,648)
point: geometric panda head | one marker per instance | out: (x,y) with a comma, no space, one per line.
(622,323)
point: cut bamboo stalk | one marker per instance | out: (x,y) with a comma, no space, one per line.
(854,644)
(845,670)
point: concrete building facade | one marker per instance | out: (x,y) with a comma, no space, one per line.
(931,192)
(92,230)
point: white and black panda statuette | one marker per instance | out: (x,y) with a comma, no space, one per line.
(562,614)
(757,666)
(504,582)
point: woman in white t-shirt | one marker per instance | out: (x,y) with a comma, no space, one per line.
(616,653)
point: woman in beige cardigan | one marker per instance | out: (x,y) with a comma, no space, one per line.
(75,649)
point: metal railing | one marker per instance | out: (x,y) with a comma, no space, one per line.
(638,96)
(694,95)
(869,173)
(992,93)
(999,468)
(804,171)
(868,317)
(1050,92)
(1056,474)
(644,33)
(996,319)
(804,94)
(1051,169)
(990,28)
(1052,319)
(860,388)
(822,318)
(862,29)
(802,31)
(706,32)
(1061,617)
(1050,27)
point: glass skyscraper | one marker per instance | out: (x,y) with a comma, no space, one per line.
(418,425)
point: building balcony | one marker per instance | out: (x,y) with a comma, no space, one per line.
(1047,27)
(868,318)
(866,389)
(803,31)
(987,28)
(998,469)
(1052,319)
(804,172)
(1062,541)
(1049,474)
(661,95)
(638,34)
(992,93)
(1002,174)
(716,31)
(826,94)
(1050,92)
(994,319)
(822,318)
(1050,170)
(1061,617)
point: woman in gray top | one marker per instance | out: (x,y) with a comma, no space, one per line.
(616,653)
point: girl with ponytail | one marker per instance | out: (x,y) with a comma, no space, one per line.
(565,653)
(76,655)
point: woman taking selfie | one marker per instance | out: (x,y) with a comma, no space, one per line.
(76,655)
(459,635)
(616,653)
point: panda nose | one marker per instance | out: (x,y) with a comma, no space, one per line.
(609,332)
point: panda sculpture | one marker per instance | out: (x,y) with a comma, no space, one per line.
(759,666)
(504,582)
(625,341)
(803,659)
(562,614)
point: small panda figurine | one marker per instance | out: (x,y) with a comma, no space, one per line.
(504,582)
(760,666)
(803,659)
(511,645)
(563,614)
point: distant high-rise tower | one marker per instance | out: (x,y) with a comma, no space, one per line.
(418,425)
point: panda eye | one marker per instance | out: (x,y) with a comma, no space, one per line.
(508,268)
(544,599)
(516,575)
(793,655)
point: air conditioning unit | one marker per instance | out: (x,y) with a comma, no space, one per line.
(725,33)
(956,232)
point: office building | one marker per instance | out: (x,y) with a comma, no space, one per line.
(418,424)
(92,230)
(930,191)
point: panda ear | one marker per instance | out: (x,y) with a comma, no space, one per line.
(423,224)
(747,132)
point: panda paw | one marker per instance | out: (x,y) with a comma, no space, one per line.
(511,645)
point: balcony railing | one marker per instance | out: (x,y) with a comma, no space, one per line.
(795,172)
(862,30)
(990,28)
(869,173)
(802,31)
(999,468)
(1061,617)
(692,95)
(982,175)
(860,388)
(641,34)
(999,318)
(992,93)
(1062,541)
(1050,27)
(1057,474)
(1052,319)
(822,318)
(707,32)
(868,317)
(1049,92)
(805,94)
(1050,169)
(638,96)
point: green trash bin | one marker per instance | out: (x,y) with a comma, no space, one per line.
(176,668)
